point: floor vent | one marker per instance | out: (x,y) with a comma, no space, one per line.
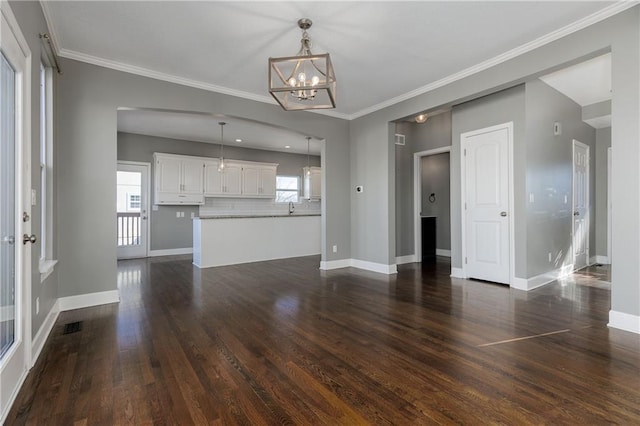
(72,327)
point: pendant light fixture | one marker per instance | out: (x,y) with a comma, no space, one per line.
(304,81)
(422,118)
(221,164)
(308,168)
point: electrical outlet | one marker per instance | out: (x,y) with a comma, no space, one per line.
(37,305)
(177,214)
(335,249)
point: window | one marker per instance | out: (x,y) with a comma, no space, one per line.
(287,189)
(46,171)
(134,203)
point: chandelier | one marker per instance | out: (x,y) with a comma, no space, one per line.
(304,81)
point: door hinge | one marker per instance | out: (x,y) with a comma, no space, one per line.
(465,152)
(465,260)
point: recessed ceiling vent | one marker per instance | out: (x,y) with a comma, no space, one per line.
(400,139)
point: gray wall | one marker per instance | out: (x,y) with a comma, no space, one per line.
(603,142)
(549,176)
(503,107)
(31,21)
(168,231)
(436,176)
(373,236)
(88,100)
(435,133)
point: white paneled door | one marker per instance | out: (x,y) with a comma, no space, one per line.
(486,203)
(580,205)
(132,209)
(15,210)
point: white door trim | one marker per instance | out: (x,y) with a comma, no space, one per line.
(463,194)
(587,201)
(17,47)
(417,196)
(147,201)
(609,205)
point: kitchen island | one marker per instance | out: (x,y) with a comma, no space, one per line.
(230,240)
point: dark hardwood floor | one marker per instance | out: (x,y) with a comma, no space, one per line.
(282,342)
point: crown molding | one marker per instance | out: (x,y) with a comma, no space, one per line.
(596,17)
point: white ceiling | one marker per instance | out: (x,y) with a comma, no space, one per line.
(586,83)
(383,51)
(205,128)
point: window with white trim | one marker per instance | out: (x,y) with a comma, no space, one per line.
(287,189)
(46,171)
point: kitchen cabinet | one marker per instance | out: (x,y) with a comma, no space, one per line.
(312,183)
(259,180)
(222,183)
(182,179)
(178,179)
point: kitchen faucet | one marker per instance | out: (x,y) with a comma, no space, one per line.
(291,207)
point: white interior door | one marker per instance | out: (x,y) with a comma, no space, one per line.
(580,205)
(15,255)
(486,203)
(132,210)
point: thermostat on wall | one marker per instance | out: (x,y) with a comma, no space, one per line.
(359,188)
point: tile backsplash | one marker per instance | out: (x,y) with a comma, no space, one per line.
(215,206)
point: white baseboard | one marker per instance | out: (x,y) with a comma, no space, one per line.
(410,258)
(624,321)
(443,252)
(13,396)
(593,260)
(527,284)
(375,267)
(45,329)
(457,273)
(603,260)
(171,252)
(335,264)
(360,264)
(87,300)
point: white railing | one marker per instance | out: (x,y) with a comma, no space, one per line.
(128,229)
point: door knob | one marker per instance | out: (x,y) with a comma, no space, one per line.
(503,214)
(576,213)
(26,238)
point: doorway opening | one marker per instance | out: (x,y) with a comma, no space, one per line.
(432,204)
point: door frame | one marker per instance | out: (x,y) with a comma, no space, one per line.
(417,195)
(146,203)
(587,202)
(609,206)
(463,196)
(23,259)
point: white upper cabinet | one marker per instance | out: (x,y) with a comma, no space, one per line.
(312,183)
(178,179)
(181,179)
(259,180)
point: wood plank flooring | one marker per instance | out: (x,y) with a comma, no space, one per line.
(282,342)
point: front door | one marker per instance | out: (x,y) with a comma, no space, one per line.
(132,209)
(15,255)
(486,203)
(580,205)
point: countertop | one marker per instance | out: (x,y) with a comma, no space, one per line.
(253,216)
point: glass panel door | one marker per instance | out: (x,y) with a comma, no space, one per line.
(7,207)
(132,205)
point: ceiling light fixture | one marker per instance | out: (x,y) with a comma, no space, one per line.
(304,81)
(221,165)
(287,146)
(238,140)
(422,118)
